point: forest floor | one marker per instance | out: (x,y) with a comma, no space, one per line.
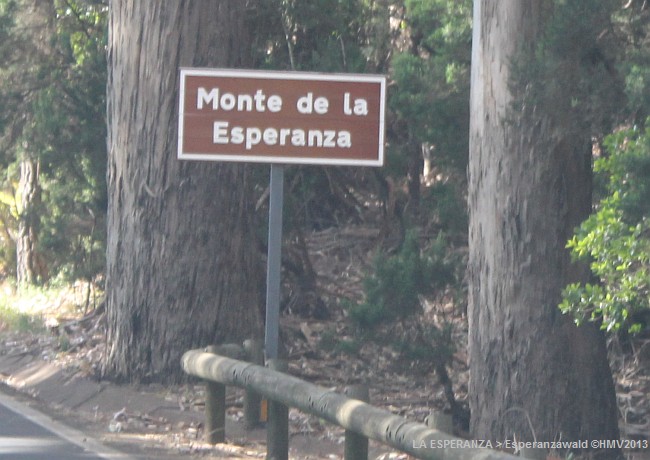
(323,351)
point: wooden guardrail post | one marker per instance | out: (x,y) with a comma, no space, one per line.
(215,409)
(253,401)
(215,396)
(356,445)
(277,428)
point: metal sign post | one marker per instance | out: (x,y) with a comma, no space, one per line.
(280,118)
(274,261)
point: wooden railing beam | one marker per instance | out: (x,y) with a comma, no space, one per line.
(413,438)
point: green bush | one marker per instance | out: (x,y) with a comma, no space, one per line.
(428,343)
(393,290)
(448,208)
(616,238)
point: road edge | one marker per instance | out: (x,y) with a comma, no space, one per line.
(58,428)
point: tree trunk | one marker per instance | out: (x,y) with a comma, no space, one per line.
(534,375)
(29,266)
(183,269)
(36,17)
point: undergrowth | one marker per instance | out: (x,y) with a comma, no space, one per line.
(26,309)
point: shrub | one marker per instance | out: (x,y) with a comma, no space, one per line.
(616,238)
(393,290)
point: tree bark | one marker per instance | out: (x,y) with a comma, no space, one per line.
(29,265)
(36,18)
(183,270)
(534,374)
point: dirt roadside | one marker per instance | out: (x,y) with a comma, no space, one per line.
(153,422)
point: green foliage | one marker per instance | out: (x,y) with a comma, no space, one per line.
(7,41)
(350,347)
(74,228)
(53,90)
(441,25)
(616,238)
(634,57)
(429,103)
(427,343)
(628,169)
(431,92)
(637,86)
(393,300)
(571,73)
(448,208)
(393,291)
(321,35)
(7,25)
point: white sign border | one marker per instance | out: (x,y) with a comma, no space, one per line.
(280,75)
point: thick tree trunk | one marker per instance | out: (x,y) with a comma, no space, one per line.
(182,269)
(534,375)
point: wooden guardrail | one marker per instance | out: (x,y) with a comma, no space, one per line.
(357,417)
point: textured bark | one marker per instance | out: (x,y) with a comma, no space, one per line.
(29,265)
(183,270)
(534,375)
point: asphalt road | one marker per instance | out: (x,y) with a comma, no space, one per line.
(26,434)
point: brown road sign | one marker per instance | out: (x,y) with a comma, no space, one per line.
(281,117)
